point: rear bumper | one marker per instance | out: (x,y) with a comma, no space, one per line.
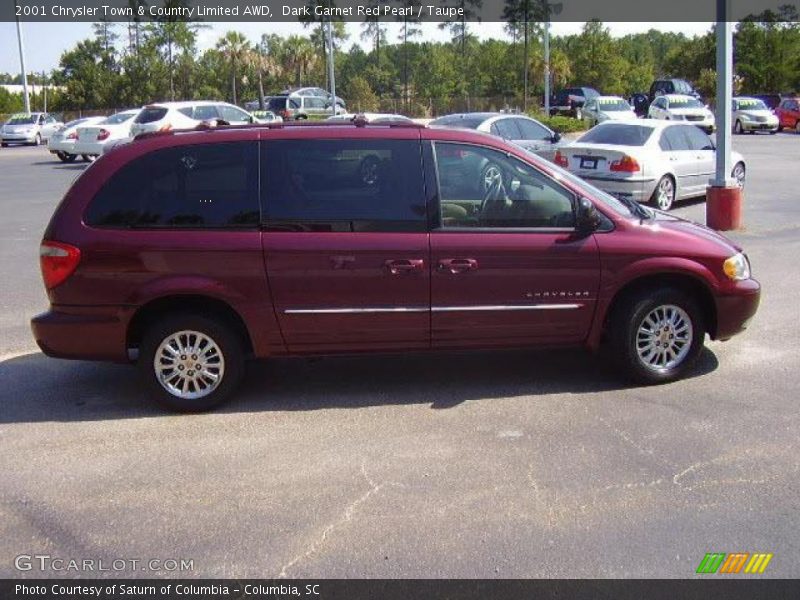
(90,148)
(67,147)
(735,311)
(639,189)
(91,333)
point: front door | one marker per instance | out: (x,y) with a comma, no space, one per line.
(682,161)
(507,265)
(346,242)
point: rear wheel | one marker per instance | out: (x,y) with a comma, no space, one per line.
(69,157)
(739,174)
(191,363)
(657,336)
(664,195)
(88,157)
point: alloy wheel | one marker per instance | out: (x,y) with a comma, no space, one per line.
(664,338)
(665,194)
(189,364)
(739,174)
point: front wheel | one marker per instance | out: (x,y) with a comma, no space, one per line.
(657,336)
(191,363)
(739,174)
(88,157)
(737,128)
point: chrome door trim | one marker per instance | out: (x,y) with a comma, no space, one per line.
(416,309)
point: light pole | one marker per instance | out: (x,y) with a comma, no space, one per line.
(21,43)
(554,8)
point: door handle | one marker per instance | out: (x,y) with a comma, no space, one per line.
(458,265)
(404,265)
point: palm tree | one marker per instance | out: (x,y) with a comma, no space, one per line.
(235,47)
(264,64)
(299,58)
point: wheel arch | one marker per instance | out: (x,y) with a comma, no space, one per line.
(685,282)
(155,309)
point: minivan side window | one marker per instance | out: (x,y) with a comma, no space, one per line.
(343,185)
(483,188)
(204,186)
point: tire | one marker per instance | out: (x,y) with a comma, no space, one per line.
(739,173)
(3,145)
(69,157)
(664,195)
(644,312)
(61,156)
(226,360)
(737,127)
(88,158)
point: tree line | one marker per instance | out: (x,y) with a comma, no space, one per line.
(132,64)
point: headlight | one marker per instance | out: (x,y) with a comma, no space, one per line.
(737,267)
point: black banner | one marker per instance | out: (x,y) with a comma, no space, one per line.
(420,589)
(384,10)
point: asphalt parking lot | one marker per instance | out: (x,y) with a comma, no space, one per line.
(505,464)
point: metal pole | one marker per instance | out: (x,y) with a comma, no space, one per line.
(525,54)
(547,63)
(21,43)
(331,76)
(722,177)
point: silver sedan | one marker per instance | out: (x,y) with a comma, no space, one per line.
(647,161)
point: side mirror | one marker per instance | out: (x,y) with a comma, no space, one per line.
(556,137)
(587,220)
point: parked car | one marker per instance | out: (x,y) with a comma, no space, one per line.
(661,87)
(647,161)
(163,116)
(32,129)
(188,253)
(570,101)
(607,108)
(751,115)
(369,118)
(299,108)
(92,138)
(677,107)
(62,141)
(519,129)
(788,113)
(317,92)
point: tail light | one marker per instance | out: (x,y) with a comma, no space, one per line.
(561,160)
(58,261)
(626,164)
(73,136)
(103,135)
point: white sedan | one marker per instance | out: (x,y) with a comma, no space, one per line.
(607,108)
(92,139)
(62,142)
(751,114)
(679,107)
(647,160)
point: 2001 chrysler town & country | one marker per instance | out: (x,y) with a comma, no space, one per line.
(191,251)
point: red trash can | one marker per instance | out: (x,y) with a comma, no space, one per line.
(724,208)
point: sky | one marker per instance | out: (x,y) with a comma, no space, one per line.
(45,42)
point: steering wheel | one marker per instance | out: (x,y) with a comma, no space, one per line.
(494,194)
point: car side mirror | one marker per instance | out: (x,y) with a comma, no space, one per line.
(587,219)
(556,137)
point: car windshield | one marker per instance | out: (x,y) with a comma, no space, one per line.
(751,104)
(118,118)
(612,104)
(22,120)
(465,122)
(620,135)
(685,103)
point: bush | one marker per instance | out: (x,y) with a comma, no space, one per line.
(560,123)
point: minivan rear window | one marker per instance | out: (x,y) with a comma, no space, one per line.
(344,185)
(151,114)
(185,187)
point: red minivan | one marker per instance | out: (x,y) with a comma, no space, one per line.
(189,252)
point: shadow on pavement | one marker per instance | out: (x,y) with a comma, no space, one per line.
(36,388)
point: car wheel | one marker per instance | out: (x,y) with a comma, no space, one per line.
(739,174)
(656,336)
(88,158)
(737,128)
(191,363)
(664,195)
(62,156)
(37,141)
(490,174)
(3,145)
(69,157)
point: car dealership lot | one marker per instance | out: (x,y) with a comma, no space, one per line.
(505,464)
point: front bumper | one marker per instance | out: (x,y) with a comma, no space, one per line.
(89,333)
(736,310)
(18,138)
(756,126)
